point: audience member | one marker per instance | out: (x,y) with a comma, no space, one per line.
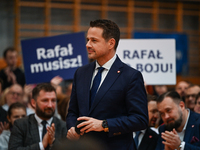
(197,104)
(27,96)
(181,129)
(190,95)
(40,130)
(62,98)
(13,95)
(181,88)
(11,74)
(160,89)
(15,111)
(147,139)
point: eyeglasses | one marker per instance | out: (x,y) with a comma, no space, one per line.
(192,95)
(15,93)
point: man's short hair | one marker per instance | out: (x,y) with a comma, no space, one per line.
(151,98)
(16,105)
(11,49)
(110,29)
(198,95)
(172,94)
(47,87)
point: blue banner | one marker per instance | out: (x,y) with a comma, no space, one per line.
(181,47)
(47,57)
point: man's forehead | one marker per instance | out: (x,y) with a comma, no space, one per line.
(166,103)
(43,93)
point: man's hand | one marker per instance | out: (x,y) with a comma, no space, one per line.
(49,137)
(172,140)
(90,124)
(72,135)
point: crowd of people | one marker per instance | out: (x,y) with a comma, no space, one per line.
(118,113)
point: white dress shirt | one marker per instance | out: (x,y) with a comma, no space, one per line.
(40,129)
(104,73)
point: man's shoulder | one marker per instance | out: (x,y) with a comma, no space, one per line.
(25,121)
(195,116)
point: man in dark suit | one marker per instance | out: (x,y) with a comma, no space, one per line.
(147,139)
(181,129)
(40,130)
(118,104)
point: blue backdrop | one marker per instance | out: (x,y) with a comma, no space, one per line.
(47,57)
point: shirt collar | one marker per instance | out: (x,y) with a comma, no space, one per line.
(184,128)
(108,64)
(39,120)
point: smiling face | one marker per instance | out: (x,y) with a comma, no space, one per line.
(98,48)
(45,104)
(171,113)
(153,113)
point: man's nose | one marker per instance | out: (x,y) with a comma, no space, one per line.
(88,44)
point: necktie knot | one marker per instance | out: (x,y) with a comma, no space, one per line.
(100,69)
(44,122)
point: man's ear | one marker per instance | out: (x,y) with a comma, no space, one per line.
(182,105)
(33,103)
(111,43)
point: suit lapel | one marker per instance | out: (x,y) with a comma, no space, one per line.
(34,129)
(87,83)
(113,74)
(190,128)
(146,140)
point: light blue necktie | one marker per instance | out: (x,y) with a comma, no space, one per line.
(95,85)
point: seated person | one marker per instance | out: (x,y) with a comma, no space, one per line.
(15,111)
(40,130)
(197,104)
(181,129)
(147,139)
(15,94)
(190,95)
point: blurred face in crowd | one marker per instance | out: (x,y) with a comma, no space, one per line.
(153,113)
(160,89)
(197,106)
(14,94)
(181,88)
(190,96)
(45,104)
(171,113)
(11,58)
(16,113)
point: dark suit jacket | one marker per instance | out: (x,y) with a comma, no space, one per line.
(149,140)
(192,133)
(25,134)
(121,100)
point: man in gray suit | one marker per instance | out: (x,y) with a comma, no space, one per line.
(40,130)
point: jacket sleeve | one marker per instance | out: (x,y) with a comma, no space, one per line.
(136,106)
